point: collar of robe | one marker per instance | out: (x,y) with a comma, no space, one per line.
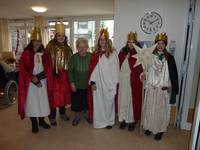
(160,55)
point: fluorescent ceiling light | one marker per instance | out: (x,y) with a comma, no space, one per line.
(53,23)
(39,9)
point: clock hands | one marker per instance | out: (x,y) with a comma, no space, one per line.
(151,22)
(147,21)
(154,21)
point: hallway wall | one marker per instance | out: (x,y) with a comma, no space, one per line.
(128,13)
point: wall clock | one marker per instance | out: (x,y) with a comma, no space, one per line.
(151,22)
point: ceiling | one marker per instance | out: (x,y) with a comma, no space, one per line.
(17,9)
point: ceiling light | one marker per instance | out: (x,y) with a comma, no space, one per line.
(39,9)
(28,35)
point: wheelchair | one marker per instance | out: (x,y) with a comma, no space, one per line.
(8,88)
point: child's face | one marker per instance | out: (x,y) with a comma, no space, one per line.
(36,44)
(130,43)
(102,41)
(60,37)
(160,45)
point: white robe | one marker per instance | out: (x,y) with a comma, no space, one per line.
(37,103)
(106,77)
(125,104)
(156,107)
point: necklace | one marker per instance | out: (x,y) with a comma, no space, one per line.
(158,65)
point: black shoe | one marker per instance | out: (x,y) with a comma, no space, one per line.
(109,127)
(43,124)
(35,130)
(158,136)
(147,132)
(131,127)
(76,121)
(34,122)
(123,125)
(53,122)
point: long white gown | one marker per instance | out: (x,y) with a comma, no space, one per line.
(106,77)
(37,103)
(125,104)
(156,107)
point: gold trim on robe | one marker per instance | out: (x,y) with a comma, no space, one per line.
(60,55)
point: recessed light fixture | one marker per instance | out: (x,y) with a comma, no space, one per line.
(39,9)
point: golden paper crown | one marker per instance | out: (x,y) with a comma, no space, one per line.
(132,36)
(104,32)
(36,34)
(59,28)
(161,37)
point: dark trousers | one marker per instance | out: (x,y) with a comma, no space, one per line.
(79,100)
(34,121)
(62,110)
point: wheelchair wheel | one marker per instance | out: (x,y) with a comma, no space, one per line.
(11,90)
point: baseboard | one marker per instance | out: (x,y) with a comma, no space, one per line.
(173,115)
(190,117)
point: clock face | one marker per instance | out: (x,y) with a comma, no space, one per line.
(151,23)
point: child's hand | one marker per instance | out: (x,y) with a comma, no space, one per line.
(168,89)
(142,77)
(94,87)
(35,79)
(73,87)
(39,85)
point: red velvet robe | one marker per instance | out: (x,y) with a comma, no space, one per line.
(26,66)
(61,84)
(136,84)
(92,64)
(61,90)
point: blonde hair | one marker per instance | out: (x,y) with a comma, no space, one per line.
(108,47)
(81,40)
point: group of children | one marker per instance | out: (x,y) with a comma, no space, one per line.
(99,84)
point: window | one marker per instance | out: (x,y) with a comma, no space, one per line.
(20,32)
(75,27)
(85,29)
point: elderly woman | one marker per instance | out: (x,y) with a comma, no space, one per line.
(78,70)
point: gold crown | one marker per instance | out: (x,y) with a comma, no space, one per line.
(36,34)
(132,36)
(59,28)
(104,32)
(161,37)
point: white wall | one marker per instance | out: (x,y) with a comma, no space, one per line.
(127,15)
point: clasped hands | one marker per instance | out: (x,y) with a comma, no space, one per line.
(36,81)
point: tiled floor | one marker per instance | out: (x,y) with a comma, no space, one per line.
(15,134)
